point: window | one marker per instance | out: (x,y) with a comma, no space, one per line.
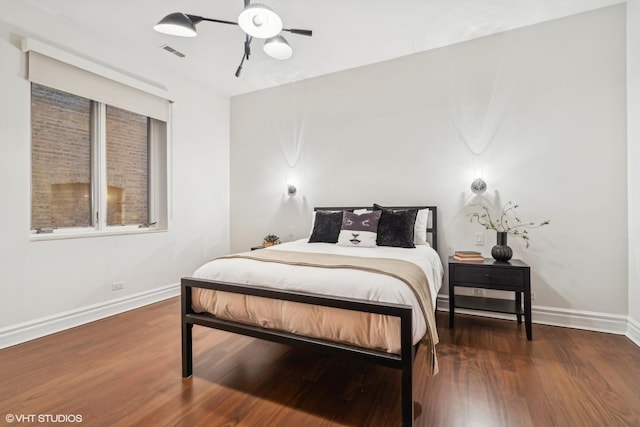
(60,159)
(127,167)
(92,165)
(99,156)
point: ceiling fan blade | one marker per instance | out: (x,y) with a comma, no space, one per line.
(301,32)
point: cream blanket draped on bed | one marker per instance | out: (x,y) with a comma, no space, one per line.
(406,271)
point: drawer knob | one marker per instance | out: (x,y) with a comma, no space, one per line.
(488,276)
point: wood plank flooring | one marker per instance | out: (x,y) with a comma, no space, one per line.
(125,371)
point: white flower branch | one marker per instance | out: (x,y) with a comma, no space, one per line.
(507,222)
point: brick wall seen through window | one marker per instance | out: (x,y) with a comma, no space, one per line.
(127,166)
(63,194)
(60,159)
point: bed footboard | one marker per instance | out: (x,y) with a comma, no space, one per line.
(403,361)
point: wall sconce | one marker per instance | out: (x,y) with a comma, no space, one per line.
(478,186)
(291,190)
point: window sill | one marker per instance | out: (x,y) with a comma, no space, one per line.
(81,234)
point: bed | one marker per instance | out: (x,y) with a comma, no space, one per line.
(358,305)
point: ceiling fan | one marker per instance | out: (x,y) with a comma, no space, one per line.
(256,20)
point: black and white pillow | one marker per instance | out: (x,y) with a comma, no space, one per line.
(397,227)
(359,229)
(326,227)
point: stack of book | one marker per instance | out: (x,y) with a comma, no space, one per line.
(470,256)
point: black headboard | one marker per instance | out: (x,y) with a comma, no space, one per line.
(432,225)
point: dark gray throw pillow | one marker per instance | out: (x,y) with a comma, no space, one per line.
(396,227)
(326,227)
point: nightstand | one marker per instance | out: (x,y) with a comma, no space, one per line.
(514,276)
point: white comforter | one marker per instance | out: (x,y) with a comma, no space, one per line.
(337,282)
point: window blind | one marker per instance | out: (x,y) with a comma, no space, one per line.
(60,75)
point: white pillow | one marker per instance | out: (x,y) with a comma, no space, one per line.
(420,229)
(313,222)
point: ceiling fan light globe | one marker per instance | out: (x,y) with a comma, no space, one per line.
(176,24)
(277,48)
(259,21)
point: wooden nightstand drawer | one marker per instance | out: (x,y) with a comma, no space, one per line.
(483,275)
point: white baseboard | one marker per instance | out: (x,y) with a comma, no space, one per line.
(22,332)
(567,318)
(633,331)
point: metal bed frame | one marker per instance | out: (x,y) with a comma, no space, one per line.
(402,361)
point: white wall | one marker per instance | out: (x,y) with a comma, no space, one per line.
(47,285)
(633,135)
(540,112)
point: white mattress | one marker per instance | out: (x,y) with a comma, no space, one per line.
(336,282)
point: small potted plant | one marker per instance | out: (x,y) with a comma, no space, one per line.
(270,240)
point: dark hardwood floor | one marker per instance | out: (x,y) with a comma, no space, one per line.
(125,370)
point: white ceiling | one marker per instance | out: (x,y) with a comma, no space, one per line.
(346,33)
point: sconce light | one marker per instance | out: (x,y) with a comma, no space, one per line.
(478,186)
(291,190)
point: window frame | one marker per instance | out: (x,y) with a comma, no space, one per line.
(59,69)
(157,173)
